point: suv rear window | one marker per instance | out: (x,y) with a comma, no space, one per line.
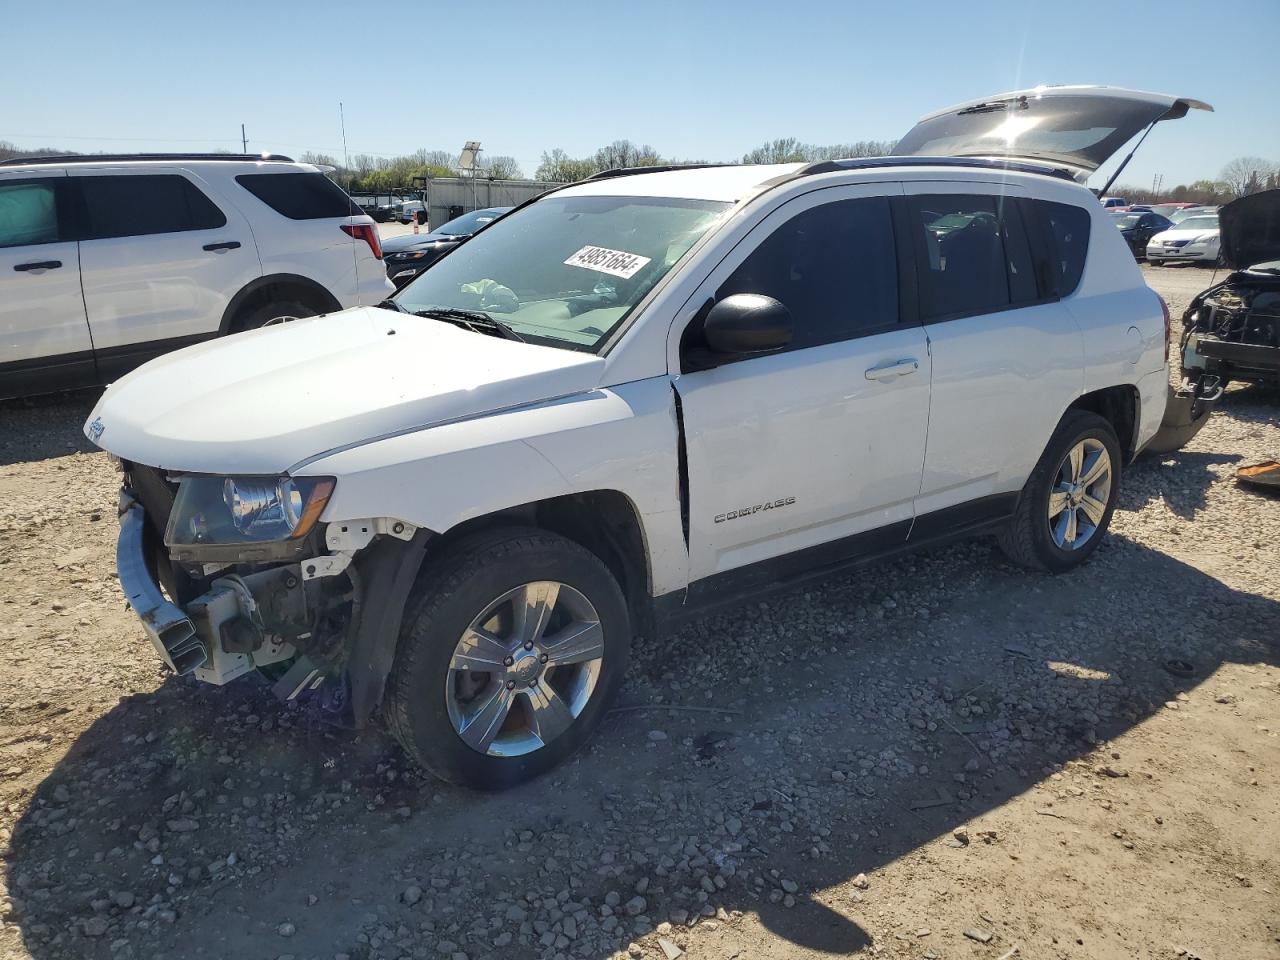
(133,206)
(300,196)
(973,255)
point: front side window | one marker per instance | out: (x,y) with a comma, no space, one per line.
(973,255)
(566,270)
(28,213)
(134,206)
(834,267)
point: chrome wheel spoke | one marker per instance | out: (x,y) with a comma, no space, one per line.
(1095,468)
(532,606)
(1093,509)
(1075,461)
(549,715)
(577,643)
(479,650)
(479,728)
(1057,502)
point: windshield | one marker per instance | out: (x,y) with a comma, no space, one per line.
(1199,223)
(469,223)
(566,270)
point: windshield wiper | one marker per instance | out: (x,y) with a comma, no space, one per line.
(990,106)
(390,305)
(473,320)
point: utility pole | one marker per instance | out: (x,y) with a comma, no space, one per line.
(1156,181)
(244,142)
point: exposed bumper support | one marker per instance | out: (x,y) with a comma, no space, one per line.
(171,631)
(1251,356)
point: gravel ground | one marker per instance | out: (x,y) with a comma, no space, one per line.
(939,757)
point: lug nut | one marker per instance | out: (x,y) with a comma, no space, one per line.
(543,658)
(528,645)
(511,684)
(507,661)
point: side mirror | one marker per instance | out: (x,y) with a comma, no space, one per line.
(747,323)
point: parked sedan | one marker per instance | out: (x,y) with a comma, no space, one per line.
(1138,228)
(1195,239)
(406,257)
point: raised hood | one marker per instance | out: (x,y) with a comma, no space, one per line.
(261,402)
(1077,128)
(1250,229)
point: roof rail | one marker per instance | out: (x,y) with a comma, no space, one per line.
(659,168)
(987,163)
(117,157)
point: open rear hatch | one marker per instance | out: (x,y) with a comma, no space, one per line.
(1075,128)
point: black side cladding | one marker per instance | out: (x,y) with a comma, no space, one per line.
(682,466)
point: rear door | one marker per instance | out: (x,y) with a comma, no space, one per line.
(1077,127)
(1007,356)
(160,261)
(44,338)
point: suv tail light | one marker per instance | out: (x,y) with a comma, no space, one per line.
(1168,326)
(369,234)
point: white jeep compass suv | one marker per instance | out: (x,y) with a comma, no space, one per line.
(108,261)
(637,397)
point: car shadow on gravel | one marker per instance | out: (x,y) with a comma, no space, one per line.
(41,428)
(762,763)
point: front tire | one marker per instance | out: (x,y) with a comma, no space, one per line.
(1155,263)
(1065,508)
(512,648)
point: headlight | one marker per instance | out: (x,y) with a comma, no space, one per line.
(410,255)
(226,511)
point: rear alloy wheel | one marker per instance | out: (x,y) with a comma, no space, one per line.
(280,311)
(1067,502)
(511,650)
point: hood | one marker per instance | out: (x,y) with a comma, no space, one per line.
(1076,128)
(415,240)
(1251,229)
(261,402)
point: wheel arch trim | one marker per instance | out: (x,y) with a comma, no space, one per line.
(254,287)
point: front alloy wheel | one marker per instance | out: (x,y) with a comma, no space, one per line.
(512,647)
(524,669)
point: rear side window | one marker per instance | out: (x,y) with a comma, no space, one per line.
(1068,229)
(973,255)
(833,266)
(28,213)
(135,206)
(299,196)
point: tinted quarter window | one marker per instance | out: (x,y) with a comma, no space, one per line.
(1068,229)
(299,196)
(28,213)
(134,206)
(834,267)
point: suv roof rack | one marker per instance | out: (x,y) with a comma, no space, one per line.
(659,168)
(868,163)
(117,157)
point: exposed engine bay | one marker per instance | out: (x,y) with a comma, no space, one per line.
(1232,330)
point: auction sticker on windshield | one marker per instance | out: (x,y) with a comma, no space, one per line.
(619,263)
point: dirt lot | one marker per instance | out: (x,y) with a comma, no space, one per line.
(942,757)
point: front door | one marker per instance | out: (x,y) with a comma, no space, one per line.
(815,452)
(44,339)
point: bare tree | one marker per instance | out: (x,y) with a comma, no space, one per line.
(791,150)
(504,168)
(1246,175)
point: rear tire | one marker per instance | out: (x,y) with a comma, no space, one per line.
(275,312)
(1155,263)
(1064,509)
(485,690)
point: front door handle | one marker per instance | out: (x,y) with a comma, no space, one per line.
(225,245)
(893,369)
(39,265)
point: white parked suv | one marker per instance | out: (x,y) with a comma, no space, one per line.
(637,397)
(108,261)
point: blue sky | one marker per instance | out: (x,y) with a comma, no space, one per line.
(697,80)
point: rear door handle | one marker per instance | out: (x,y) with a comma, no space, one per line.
(225,245)
(39,265)
(893,369)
